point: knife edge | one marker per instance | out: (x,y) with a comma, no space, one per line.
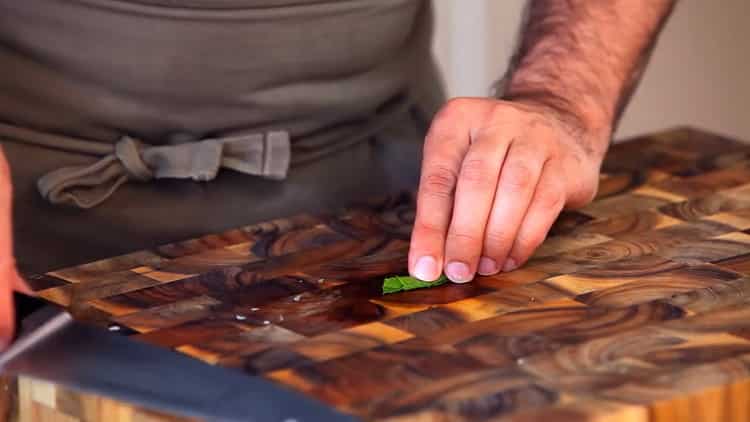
(36,336)
(54,347)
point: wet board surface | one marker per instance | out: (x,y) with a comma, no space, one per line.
(636,308)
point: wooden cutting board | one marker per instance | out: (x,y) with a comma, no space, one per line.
(636,308)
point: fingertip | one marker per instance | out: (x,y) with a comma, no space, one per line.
(426,268)
(459,272)
(488,266)
(426,254)
(511,264)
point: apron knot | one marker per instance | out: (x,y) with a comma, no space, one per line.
(261,154)
(127,150)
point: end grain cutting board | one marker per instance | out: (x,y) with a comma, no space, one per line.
(636,308)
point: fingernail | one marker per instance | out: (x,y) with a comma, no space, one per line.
(510,265)
(458,272)
(488,266)
(426,269)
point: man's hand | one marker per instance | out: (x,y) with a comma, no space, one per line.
(9,278)
(495,176)
(497,173)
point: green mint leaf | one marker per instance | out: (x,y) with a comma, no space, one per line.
(405,283)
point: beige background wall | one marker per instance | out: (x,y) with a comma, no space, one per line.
(699,74)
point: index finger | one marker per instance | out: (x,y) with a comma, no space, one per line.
(445,147)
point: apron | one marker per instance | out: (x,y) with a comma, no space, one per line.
(339,90)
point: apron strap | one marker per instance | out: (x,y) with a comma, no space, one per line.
(259,154)
(266,155)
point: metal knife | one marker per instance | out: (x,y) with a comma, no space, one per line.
(53,347)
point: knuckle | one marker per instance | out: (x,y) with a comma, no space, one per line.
(551,199)
(517,176)
(428,227)
(439,182)
(495,240)
(475,172)
(439,132)
(453,108)
(437,135)
(463,236)
(581,194)
(505,110)
(526,243)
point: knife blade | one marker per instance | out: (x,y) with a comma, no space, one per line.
(54,347)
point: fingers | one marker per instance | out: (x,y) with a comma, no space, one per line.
(548,201)
(475,192)
(518,181)
(8,275)
(445,147)
(495,176)
(492,183)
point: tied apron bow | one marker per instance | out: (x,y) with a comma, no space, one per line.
(260,154)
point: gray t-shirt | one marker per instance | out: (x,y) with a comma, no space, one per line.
(101,69)
(249,85)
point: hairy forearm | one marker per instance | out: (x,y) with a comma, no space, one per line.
(584,58)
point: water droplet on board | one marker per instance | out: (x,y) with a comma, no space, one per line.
(114,328)
(254,309)
(297,298)
(240,317)
(321,280)
(266,322)
(521,361)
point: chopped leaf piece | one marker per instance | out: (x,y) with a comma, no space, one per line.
(405,283)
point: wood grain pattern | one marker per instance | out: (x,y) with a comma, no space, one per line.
(635,309)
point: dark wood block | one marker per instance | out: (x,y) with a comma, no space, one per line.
(636,307)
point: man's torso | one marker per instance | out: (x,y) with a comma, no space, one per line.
(152,68)
(100,69)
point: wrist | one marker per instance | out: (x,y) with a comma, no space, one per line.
(580,119)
